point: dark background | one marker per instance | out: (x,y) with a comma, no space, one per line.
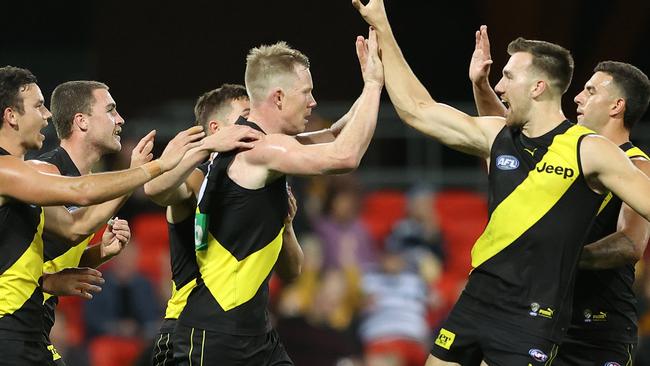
(151,53)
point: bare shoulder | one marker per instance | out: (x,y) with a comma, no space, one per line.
(269,147)
(43,167)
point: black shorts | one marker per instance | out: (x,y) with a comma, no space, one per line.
(467,338)
(163,350)
(24,353)
(578,352)
(56,357)
(194,346)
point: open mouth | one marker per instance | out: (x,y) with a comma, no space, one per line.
(505,103)
(116,133)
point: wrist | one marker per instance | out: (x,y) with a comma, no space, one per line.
(153,168)
(481,84)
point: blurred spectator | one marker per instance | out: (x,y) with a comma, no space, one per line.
(418,235)
(127,306)
(394,327)
(340,226)
(317,312)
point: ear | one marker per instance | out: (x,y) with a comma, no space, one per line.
(80,121)
(9,115)
(618,108)
(539,88)
(213,126)
(278,97)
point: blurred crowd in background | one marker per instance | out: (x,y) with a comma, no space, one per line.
(382,268)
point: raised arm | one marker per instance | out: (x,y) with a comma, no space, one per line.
(328,134)
(607,168)
(626,245)
(486,100)
(414,104)
(282,153)
(171,187)
(21,181)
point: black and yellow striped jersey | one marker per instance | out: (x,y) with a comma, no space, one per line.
(540,208)
(244,236)
(604,304)
(57,254)
(21,268)
(183,261)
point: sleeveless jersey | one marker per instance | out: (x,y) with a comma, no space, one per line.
(244,236)
(540,209)
(604,305)
(59,255)
(21,268)
(183,261)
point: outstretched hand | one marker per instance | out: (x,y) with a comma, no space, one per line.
(479,66)
(372,69)
(374,12)
(141,153)
(231,137)
(178,146)
(82,282)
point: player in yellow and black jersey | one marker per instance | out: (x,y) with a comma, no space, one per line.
(547,179)
(216,111)
(603,327)
(88,125)
(240,222)
(22,190)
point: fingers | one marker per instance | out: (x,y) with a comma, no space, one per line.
(148,138)
(361,50)
(357,4)
(372,42)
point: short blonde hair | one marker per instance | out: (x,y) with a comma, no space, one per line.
(268,65)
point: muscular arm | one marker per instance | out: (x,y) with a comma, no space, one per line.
(22,182)
(626,245)
(607,168)
(328,134)
(170,188)
(414,104)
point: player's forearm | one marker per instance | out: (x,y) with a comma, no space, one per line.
(486,100)
(91,257)
(612,251)
(328,134)
(291,257)
(163,189)
(97,188)
(87,220)
(405,90)
(353,141)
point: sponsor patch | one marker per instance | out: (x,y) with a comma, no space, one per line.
(612,364)
(445,338)
(507,162)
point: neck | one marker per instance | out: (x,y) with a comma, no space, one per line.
(543,117)
(83,155)
(266,117)
(12,144)
(615,131)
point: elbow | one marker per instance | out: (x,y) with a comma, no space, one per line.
(292,274)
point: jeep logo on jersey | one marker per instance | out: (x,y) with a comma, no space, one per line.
(559,170)
(507,162)
(538,355)
(612,364)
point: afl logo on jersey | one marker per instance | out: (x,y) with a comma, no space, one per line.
(507,162)
(537,355)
